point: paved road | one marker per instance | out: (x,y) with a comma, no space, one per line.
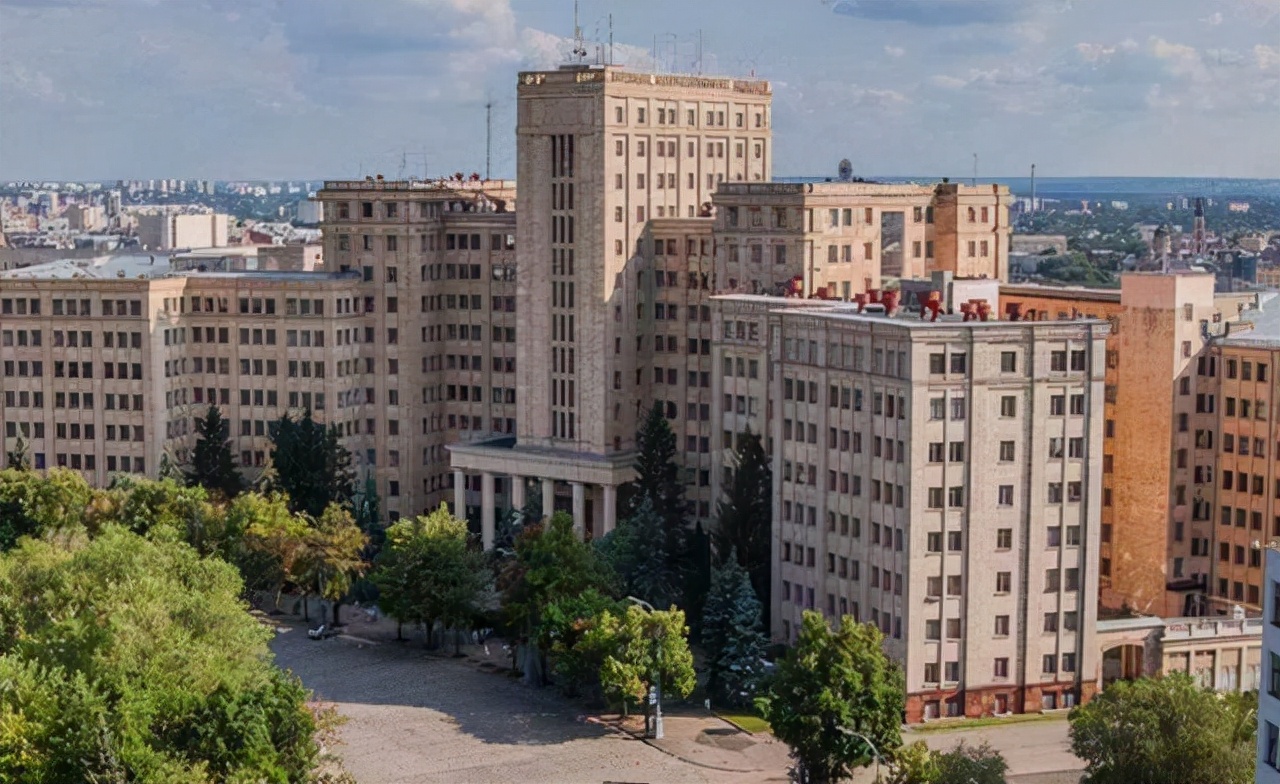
(414,717)
(418,718)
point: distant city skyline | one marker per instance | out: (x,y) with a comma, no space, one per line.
(110,89)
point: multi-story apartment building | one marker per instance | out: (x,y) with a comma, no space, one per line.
(838,239)
(1243,434)
(106,375)
(1163,451)
(878,427)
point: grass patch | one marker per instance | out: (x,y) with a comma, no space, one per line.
(747,722)
(948,725)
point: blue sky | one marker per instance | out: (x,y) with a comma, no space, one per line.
(232,89)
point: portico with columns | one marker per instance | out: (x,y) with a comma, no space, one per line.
(593,483)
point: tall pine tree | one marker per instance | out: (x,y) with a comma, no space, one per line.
(311,465)
(745,516)
(658,479)
(731,635)
(212,465)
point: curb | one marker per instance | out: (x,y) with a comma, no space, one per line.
(649,742)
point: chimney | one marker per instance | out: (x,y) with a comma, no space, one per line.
(932,305)
(874,295)
(890,302)
(1014,311)
(984,310)
(861,300)
(966,308)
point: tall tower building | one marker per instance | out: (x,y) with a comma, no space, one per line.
(601,151)
(1197,236)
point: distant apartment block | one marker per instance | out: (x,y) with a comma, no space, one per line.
(165,230)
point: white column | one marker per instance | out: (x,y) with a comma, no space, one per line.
(610,505)
(459,494)
(517,492)
(579,509)
(548,498)
(486,510)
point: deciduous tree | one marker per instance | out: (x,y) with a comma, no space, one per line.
(213,467)
(331,556)
(637,648)
(833,681)
(176,685)
(550,563)
(35,505)
(1161,730)
(426,573)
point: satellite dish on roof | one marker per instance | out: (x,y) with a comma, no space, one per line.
(845,170)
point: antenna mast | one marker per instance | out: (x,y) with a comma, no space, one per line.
(975,170)
(488,135)
(610,39)
(579,49)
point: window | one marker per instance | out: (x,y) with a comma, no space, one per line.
(1008,362)
(1001,669)
(1002,626)
(1004,538)
(1007,451)
(1049,664)
(1008,406)
(1004,582)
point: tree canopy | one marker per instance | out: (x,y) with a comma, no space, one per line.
(128,659)
(36,505)
(1165,730)
(213,467)
(426,572)
(636,647)
(835,680)
(330,559)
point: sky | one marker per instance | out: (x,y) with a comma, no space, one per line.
(310,89)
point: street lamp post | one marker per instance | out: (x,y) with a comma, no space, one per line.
(655,730)
(875,753)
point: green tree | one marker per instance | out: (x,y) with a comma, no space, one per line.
(550,563)
(638,648)
(35,505)
(971,764)
(176,684)
(1163,730)
(144,506)
(914,764)
(731,635)
(658,479)
(745,516)
(212,465)
(565,622)
(426,573)
(832,681)
(275,540)
(310,464)
(331,557)
(636,550)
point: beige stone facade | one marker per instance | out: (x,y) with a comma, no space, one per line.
(879,428)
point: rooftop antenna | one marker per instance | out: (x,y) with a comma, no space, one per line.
(610,39)
(488,135)
(579,49)
(699,51)
(975,170)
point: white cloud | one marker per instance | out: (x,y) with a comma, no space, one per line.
(894,51)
